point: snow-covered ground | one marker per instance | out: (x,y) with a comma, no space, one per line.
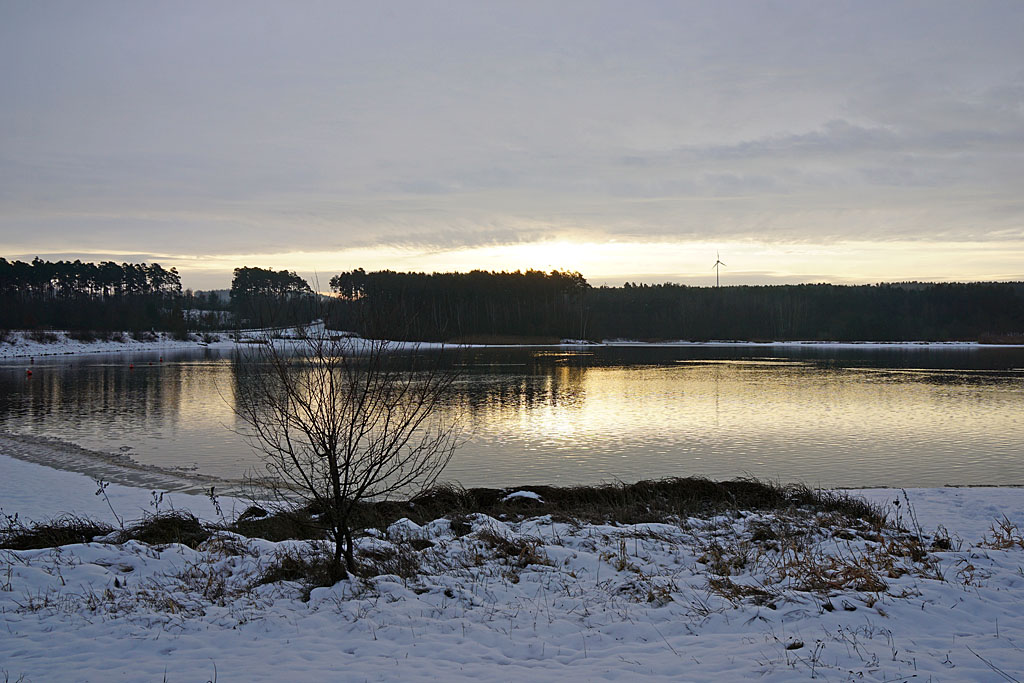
(21,345)
(701,599)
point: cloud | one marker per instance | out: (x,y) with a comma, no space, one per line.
(204,127)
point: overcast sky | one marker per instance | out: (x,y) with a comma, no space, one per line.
(842,141)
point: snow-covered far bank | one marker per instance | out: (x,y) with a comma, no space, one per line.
(20,344)
(777,596)
(27,344)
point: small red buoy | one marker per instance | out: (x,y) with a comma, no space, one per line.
(131,366)
(28,372)
(161,359)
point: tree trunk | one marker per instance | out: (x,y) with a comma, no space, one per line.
(350,556)
(338,572)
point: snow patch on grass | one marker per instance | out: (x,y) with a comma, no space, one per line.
(528,495)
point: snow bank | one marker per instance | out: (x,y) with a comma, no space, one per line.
(22,345)
(595,602)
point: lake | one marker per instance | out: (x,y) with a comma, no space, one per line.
(822,415)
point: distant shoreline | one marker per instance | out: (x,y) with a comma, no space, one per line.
(24,347)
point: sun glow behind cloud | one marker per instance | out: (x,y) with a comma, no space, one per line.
(613,263)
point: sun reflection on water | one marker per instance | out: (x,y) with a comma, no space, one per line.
(551,416)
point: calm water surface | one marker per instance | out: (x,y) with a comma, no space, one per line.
(862,417)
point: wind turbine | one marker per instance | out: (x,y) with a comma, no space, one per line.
(718,262)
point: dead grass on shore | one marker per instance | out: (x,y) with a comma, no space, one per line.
(645,501)
(160,529)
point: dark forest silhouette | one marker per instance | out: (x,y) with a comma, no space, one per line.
(505,306)
(481,306)
(264,297)
(94,296)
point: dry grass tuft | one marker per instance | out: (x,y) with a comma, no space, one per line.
(517,552)
(168,527)
(403,561)
(644,501)
(311,566)
(1005,535)
(63,530)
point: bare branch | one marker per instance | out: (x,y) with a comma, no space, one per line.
(340,420)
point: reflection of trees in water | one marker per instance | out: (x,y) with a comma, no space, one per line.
(922,411)
(114,396)
(556,381)
(245,376)
(245,381)
(945,378)
(505,384)
(548,384)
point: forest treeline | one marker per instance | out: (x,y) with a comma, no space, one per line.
(94,296)
(109,296)
(457,306)
(505,306)
(270,298)
(483,306)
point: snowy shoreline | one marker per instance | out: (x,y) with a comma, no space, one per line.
(21,450)
(25,462)
(115,468)
(24,346)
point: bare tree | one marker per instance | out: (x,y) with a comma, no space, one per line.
(340,421)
